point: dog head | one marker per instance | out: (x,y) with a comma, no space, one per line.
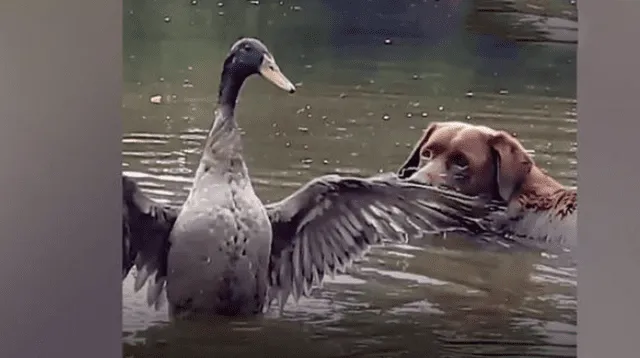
(475,160)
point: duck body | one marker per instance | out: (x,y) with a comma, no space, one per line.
(221,241)
(219,256)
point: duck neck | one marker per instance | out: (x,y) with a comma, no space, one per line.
(230,86)
(223,148)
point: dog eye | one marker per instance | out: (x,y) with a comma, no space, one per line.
(426,154)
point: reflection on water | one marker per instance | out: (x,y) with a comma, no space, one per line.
(371,76)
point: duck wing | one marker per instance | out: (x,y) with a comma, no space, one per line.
(146,225)
(332,220)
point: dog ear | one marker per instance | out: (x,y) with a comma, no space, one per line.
(413,160)
(513,163)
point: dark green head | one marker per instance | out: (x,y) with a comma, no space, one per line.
(249,56)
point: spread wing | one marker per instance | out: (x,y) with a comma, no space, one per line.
(146,226)
(321,228)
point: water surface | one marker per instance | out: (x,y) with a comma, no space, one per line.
(371,76)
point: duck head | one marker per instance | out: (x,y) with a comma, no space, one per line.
(249,56)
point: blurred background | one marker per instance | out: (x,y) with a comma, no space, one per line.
(371,74)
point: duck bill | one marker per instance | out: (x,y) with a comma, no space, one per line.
(271,72)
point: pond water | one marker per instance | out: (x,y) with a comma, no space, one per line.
(371,76)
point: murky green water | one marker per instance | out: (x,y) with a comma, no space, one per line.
(361,104)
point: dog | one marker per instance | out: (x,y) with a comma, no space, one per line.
(492,164)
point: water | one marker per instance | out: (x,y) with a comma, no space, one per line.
(371,76)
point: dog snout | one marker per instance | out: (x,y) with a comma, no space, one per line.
(429,175)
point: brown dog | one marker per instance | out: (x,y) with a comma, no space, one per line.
(478,160)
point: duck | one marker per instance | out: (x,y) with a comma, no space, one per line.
(225,253)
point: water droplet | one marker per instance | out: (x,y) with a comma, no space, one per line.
(194,2)
(190,68)
(343,95)
(305,147)
(287,144)
(415,77)
(161,79)
(307,161)
(303,129)
(167,19)
(441,108)
(130,12)
(468,117)
(308,66)
(254,2)
(298,84)
(387,41)
(469,94)
(504,92)
(386,117)
(324,117)
(307,107)
(416,104)
(325,161)
(397,144)
(296,8)
(220,13)
(409,115)
(156,99)
(220,4)
(424,114)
